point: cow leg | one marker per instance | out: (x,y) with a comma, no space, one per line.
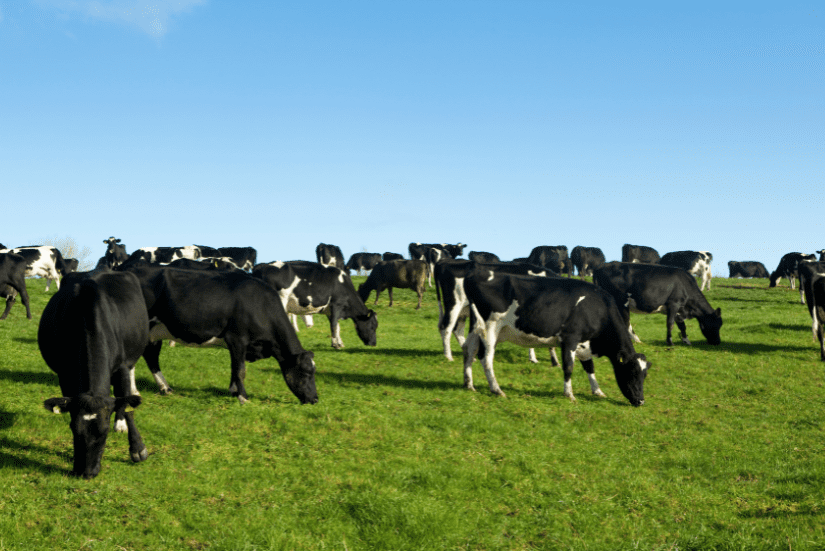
(420,292)
(123,382)
(389,292)
(792,279)
(568,357)
(9,303)
(531,355)
(238,370)
(801,293)
(470,349)
(680,323)
(554,360)
(633,334)
(448,323)
(307,321)
(335,331)
(151,354)
(487,361)
(818,314)
(590,369)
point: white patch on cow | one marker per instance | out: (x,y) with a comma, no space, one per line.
(643,364)
(278,264)
(537,274)
(90,417)
(133,390)
(160,332)
(581,298)
(568,390)
(341,276)
(492,276)
(121,426)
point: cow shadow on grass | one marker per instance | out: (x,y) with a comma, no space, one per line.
(25,340)
(13,455)
(789,327)
(755,348)
(29,377)
(403,352)
(363,379)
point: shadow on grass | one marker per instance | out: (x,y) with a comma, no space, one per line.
(25,340)
(13,455)
(403,352)
(788,327)
(29,377)
(384,380)
(756,348)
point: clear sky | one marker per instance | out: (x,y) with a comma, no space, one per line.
(372,124)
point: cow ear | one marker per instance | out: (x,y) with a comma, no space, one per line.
(126,403)
(719,312)
(57,405)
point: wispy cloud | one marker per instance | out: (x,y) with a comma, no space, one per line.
(151,16)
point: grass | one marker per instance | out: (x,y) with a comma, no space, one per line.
(727,452)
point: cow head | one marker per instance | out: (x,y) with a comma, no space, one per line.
(300,377)
(366,325)
(710,324)
(90,420)
(631,371)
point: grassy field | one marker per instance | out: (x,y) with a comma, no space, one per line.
(728,451)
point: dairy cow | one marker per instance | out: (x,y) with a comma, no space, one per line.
(746,269)
(433,253)
(553,257)
(329,255)
(480,256)
(693,262)
(362,262)
(13,281)
(586,259)
(164,255)
(812,279)
(403,274)
(788,266)
(42,261)
(392,256)
(639,253)
(115,254)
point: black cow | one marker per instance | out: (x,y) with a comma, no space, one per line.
(318,289)
(329,255)
(538,311)
(586,259)
(403,274)
(223,308)
(649,288)
(13,278)
(392,256)
(480,256)
(639,253)
(747,268)
(553,257)
(821,254)
(43,261)
(809,270)
(92,332)
(243,257)
(70,265)
(164,255)
(694,262)
(788,266)
(362,262)
(115,252)
(812,278)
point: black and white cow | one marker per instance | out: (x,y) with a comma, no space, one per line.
(92,332)
(553,257)
(362,262)
(281,277)
(586,259)
(230,309)
(13,278)
(694,262)
(402,274)
(433,253)
(788,266)
(42,261)
(812,278)
(242,257)
(480,256)
(392,256)
(747,268)
(538,311)
(821,254)
(639,253)
(164,255)
(70,265)
(329,255)
(809,270)
(318,289)
(649,288)
(115,252)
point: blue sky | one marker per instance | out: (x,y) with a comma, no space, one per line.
(372,124)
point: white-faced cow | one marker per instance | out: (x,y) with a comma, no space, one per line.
(693,262)
(746,269)
(92,332)
(480,256)
(553,257)
(115,252)
(586,259)
(403,274)
(329,255)
(362,262)
(648,288)
(230,309)
(639,253)
(13,281)
(42,261)
(538,311)
(788,266)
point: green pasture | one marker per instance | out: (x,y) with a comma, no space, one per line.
(728,451)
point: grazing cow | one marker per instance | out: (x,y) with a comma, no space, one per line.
(639,253)
(404,274)
(329,255)
(13,278)
(280,276)
(92,332)
(586,259)
(554,258)
(812,278)
(229,309)
(479,256)
(43,261)
(164,255)
(115,252)
(649,288)
(538,311)
(392,256)
(362,262)
(788,266)
(318,289)
(694,262)
(747,268)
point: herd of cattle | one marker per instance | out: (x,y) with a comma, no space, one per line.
(99,323)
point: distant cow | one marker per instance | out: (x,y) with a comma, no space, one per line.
(42,261)
(536,311)
(243,257)
(586,259)
(552,257)
(392,256)
(479,256)
(639,253)
(821,253)
(432,253)
(329,255)
(693,262)
(747,268)
(788,266)
(115,252)
(362,262)
(92,332)
(649,288)
(164,255)
(70,265)
(403,274)
(13,281)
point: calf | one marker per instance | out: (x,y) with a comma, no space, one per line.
(13,278)
(693,262)
(329,255)
(478,256)
(42,261)
(639,253)
(92,332)
(586,259)
(788,266)
(747,268)
(649,288)
(115,252)
(537,311)
(404,274)
(553,257)
(362,262)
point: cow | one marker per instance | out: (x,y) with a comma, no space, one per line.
(480,256)
(92,332)
(821,254)
(164,255)
(586,259)
(13,278)
(694,262)
(788,266)
(318,289)
(432,253)
(537,311)
(392,256)
(70,265)
(362,262)
(243,257)
(230,309)
(404,274)
(639,253)
(812,277)
(43,261)
(115,252)
(280,276)
(649,288)
(329,255)
(553,257)
(205,263)
(747,268)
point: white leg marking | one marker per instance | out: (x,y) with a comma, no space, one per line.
(121,426)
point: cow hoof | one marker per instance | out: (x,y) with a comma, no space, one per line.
(142,455)
(687,342)
(242,399)
(165,391)
(600,394)
(500,393)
